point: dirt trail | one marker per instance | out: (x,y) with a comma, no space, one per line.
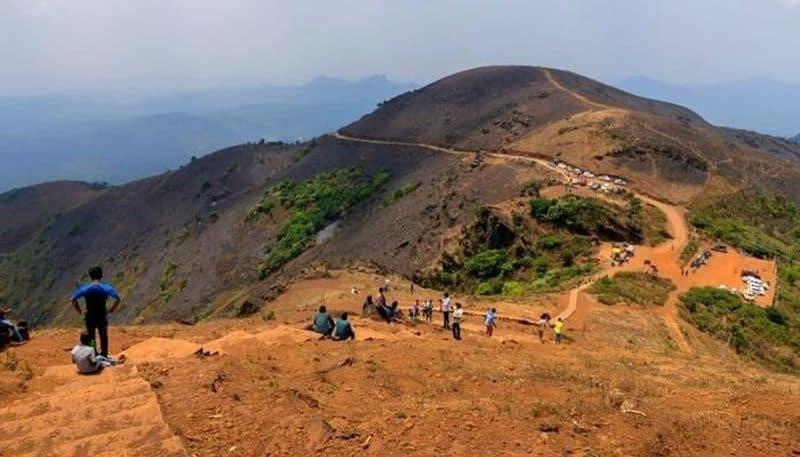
(114,414)
(572,93)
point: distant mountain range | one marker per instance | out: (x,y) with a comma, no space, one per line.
(763,105)
(117,137)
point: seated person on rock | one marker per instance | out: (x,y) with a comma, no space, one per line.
(344,329)
(323,323)
(6,326)
(86,359)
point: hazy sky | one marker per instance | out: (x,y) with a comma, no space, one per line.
(48,45)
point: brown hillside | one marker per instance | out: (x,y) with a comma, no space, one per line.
(544,112)
(27,209)
(178,245)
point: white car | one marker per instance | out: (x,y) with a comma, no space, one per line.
(588,174)
(606,178)
(620,182)
(756,282)
(562,166)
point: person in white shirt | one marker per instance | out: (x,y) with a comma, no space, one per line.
(446,310)
(427,310)
(458,315)
(86,359)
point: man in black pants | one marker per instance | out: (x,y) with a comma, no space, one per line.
(96,294)
(458,314)
(446,310)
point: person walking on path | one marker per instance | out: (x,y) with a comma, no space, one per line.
(458,315)
(491,322)
(558,330)
(544,320)
(95,294)
(446,310)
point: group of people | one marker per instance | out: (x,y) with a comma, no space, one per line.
(15,334)
(452,315)
(84,355)
(558,328)
(96,294)
(339,330)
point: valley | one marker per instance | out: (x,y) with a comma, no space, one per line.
(487,184)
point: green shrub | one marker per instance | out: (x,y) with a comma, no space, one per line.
(540,207)
(633,288)
(512,288)
(747,328)
(541,264)
(690,250)
(401,192)
(548,243)
(488,288)
(487,264)
(531,189)
(448,278)
(314,204)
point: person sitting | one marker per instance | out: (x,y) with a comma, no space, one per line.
(86,359)
(344,329)
(368,307)
(6,326)
(323,323)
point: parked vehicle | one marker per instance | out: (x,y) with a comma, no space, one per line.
(720,247)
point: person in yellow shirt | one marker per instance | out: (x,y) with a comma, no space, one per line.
(558,330)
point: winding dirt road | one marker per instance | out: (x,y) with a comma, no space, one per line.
(676,226)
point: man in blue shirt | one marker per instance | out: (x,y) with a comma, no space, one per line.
(491,321)
(96,294)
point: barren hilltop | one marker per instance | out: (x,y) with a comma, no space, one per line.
(667,245)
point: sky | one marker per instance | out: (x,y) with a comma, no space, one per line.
(54,45)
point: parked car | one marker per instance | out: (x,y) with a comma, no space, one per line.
(720,247)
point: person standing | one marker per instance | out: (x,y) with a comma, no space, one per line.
(446,310)
(491,322)
(558,330)
(544,321)
(458,315)
(95,294)
(427,310)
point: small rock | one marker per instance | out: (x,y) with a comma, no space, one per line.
(548,427)
(577,427)
(616,398)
